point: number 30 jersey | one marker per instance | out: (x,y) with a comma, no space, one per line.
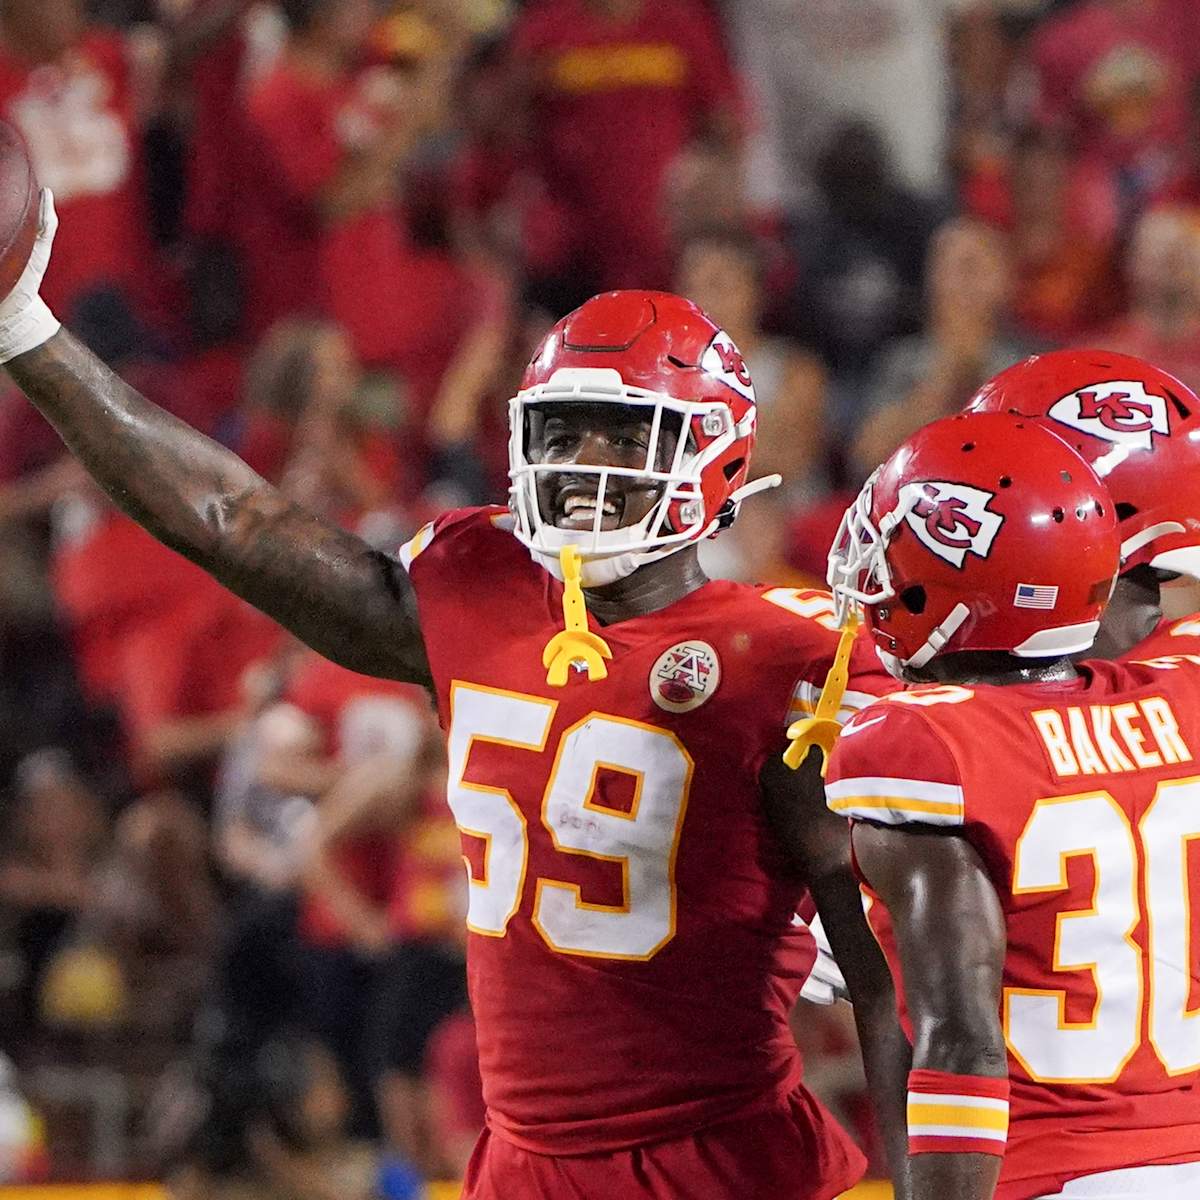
(629,912)
(1083,802)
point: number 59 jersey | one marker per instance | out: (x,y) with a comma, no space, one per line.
(1083,802)
(629,912)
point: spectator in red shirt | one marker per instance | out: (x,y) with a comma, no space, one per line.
(208,56)
(305,425)
(381,917)
(1115,75)
(615,90)
(68,88)
(723,272)
(326,142)
(155,639)
(1066,276)
(180,683)
(1183,186)
(1163,272)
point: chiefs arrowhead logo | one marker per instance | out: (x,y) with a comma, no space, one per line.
(952,519)
(724,360)
(1119,411)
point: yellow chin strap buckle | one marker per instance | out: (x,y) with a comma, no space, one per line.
(822,728)
(577,643)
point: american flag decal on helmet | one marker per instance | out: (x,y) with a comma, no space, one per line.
(1030,595)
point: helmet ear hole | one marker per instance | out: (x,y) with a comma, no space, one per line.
(1125,510)
(732,468)
(913,598)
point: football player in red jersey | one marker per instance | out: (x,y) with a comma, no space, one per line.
(1139,427)
(1023,826)
(635,846)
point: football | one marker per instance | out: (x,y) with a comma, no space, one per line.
(18,207)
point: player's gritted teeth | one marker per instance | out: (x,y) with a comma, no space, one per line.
(575,508)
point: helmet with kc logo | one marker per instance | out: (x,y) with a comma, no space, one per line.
(1138,426)
(983,531)
(659,354)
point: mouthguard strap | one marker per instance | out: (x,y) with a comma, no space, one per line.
(822,728)
(576,643)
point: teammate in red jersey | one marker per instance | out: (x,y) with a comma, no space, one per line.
(1022,826)
(1139,428)
(635,846)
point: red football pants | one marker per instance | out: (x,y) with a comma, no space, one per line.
(794,1152)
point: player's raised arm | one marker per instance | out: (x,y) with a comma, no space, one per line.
(346,600)
(815,840)
(950,936)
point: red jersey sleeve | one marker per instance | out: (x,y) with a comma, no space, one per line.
(450,526)
(891,766)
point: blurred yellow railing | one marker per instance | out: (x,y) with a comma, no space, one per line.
(150,1191)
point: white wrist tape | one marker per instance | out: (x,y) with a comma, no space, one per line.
(25,320)
(27,329)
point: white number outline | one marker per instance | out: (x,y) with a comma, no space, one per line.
(1147,1017)
(1181,843)
(456,780)
(460,745)
(1092,913)
(545,882)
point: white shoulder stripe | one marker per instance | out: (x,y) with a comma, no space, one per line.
(896,801)
(418,542)
(806,695)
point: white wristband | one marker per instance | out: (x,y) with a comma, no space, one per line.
(27,330)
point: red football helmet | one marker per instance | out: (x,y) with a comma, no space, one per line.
(981,532)
(657,351)
(1139,428)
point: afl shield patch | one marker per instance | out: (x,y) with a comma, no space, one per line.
(684,676)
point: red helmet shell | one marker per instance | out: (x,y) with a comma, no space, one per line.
(1138,426)
(1001,516)
(662,344)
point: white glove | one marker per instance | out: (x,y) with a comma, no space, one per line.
(824,984)
(25,321)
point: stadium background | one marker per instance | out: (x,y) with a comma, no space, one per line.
(328,232)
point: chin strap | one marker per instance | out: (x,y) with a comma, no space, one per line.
(577,643)
(822,728)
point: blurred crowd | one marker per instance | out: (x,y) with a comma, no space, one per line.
(328,233)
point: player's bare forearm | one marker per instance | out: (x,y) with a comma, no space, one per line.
(887,1056)
(818,844)
(951,940)
(961,1176)
(346,600)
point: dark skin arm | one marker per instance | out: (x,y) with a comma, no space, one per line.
(346,600)
(817,845)
(951,939)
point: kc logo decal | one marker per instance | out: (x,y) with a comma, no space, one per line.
(1119,411)
(951,519)
(724,360)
